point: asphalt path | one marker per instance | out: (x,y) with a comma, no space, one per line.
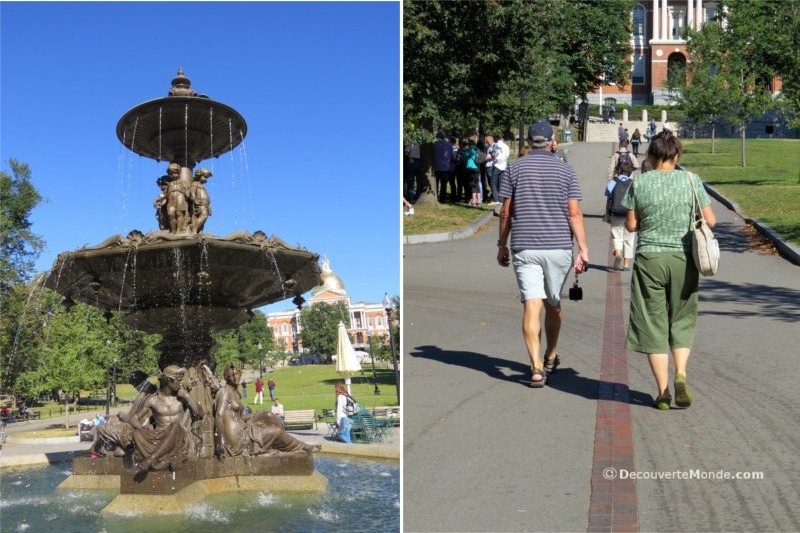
(484,452)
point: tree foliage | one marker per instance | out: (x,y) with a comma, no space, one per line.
(733,62)
(241,344)
(47,348)
(19,246)
(466,63)
(320,326)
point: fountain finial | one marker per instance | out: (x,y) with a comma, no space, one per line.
(181,85)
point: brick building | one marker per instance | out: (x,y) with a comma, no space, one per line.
(366,319)
(658,49)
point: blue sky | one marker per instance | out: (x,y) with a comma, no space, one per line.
(317,83)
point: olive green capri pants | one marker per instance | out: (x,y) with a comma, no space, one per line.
(663,313)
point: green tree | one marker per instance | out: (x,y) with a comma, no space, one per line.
(320,326)
(466,64)
(703,95)
(19,246)
(241,344)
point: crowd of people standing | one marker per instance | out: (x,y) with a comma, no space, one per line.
(467,170)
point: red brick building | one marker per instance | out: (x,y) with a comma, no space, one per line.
(658,46)
(366,319)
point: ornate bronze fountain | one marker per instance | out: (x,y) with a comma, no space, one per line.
(185,284)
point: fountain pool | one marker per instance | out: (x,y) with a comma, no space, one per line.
(362,495)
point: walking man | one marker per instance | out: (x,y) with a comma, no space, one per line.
(541,212)
(271,386)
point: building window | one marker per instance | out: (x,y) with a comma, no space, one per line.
(369,323)
(277,332)
(710,12)
(678,21)
(378,322)
(638,72)
(639,25)
(359,338)
(284,329)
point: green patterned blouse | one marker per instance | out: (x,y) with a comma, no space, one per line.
(663,201)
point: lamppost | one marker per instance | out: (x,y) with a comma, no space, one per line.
(521,118)
(377,391)
(260,366)
(387,306)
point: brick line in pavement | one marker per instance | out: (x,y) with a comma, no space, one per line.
(612,506)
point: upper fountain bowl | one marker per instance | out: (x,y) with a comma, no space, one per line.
(185,127)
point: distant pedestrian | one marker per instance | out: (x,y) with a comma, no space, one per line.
(622,154)
(271,387)
(258,398)
(616,214)
(541,212)
(277,409)
(664,286)
(636,139)
(651,130)
(343,421)
(442,154)
(244,388)
(500,159)
(412,171)
(612,114)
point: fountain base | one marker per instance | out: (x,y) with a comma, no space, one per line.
(167,492)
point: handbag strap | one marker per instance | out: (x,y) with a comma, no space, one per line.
(697,213)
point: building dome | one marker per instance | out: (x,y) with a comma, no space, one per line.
(330,281)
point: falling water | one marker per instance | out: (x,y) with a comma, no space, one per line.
(126,181)
(203,280)
(246,173)
(269,255)
(131,253)
(233,173)
(181,286)
(186,136)
(22,318)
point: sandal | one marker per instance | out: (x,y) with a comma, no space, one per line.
(683,394)
(538,372)
(551,364)
(663,403)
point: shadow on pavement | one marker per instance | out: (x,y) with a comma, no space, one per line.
(756,299)
(564,379)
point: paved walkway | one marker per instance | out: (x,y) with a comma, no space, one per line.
(23,452)
(482,451)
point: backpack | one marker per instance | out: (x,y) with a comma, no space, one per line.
(620,189)
(623,157)
(352,407)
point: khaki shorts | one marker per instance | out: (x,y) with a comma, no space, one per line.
(663,313)
(542,273)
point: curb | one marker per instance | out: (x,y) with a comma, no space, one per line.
(787,250)
(42,440)
(463,233)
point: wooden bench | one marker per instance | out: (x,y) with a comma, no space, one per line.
(303,419)
(389,415)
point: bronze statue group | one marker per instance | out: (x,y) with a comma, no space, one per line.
(188,417)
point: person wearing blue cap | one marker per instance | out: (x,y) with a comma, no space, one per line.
(541,213)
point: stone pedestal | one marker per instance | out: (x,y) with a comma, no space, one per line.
(165,492)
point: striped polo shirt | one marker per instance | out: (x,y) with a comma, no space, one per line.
(540,185)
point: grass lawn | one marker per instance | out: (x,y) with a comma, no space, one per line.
(48,433)
(767,189)
(312,387)
(440,218)
(297,387)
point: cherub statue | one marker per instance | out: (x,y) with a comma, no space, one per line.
(160,203)
(177,202)
(201,201)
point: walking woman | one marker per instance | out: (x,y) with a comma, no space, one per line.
(663,312)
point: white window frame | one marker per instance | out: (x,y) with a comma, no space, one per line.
(639,40)
(640,61)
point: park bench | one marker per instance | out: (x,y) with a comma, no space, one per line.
(389,415)
(302,419)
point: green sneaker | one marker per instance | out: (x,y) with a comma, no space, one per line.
(662,403)
(683,394)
